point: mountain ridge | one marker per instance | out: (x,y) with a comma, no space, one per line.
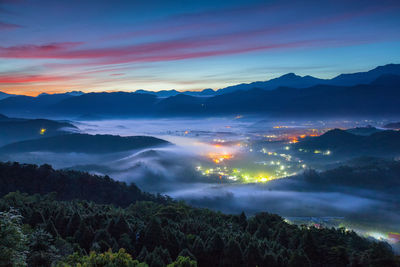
(378,97)
(286,80)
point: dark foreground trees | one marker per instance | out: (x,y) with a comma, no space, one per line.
(42,230)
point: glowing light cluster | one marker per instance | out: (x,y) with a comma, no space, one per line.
(219,157)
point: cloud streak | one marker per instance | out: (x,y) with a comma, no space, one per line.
(221,32)
(8,26)
(29,78)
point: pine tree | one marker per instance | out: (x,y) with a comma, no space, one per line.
(153,234)
(214,249)
(252,255)
(243,220)
(299,259)
(232,254)
(186,253)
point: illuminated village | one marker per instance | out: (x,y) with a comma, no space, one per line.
(271,154)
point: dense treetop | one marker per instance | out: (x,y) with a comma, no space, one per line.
(155,230)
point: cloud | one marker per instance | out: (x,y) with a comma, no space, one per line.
(201,33)
(51,50)
(28,78)
(8,26)
(191,37)
(179,49)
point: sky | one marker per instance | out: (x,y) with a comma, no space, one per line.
(58,46)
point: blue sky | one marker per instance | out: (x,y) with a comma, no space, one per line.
(57,46)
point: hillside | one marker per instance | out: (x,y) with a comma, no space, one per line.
(84,143)
(393,125)
(157,232)
(69,185)
(340,142)
(15,129)
(368,130)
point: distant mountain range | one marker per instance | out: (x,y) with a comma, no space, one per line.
(368,130)
(168,93)
(5,95)
(392,125)
(375,92)
(292,80)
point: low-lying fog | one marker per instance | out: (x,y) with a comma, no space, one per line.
(225,164)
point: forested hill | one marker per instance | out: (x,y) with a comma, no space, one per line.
(84,143)
(41,230)
(69,185)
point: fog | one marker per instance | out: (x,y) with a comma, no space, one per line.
(172,170)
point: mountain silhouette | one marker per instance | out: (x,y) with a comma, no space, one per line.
(83,143)
(379,97)
(341,142)
(15,129)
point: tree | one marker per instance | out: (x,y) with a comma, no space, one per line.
(299,259)
(199,250)
(186,253)
(338,256)
(107,259)
(243,220)
(143,254)
(381,255)
(309,246)
(81,226)
(183,262)
(153,234)
(42,251)
(269,260)
(232,254)
(73,224)
(252,255)
(214,249)
(13,249)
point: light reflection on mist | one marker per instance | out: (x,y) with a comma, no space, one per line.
(171,170)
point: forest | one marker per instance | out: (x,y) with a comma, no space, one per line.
(67,218)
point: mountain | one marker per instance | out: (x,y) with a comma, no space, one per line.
(168,93)
(113,104)
(179,104)
(380,97)
(68,185)
(392,125)
(4,95)
(75,93)
(21,105)
(294,81)
(368,130)
(341,142)
(365,77)
(290,80)
(162,93)
(83,143)
(15,129)
(70,217)
(287,80)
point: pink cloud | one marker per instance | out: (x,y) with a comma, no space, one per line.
(28,78)
(200,45)
(9,26)
(50,50)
